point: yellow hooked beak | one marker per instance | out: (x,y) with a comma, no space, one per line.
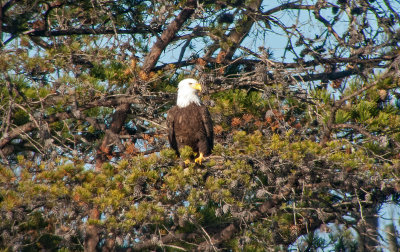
(197,86)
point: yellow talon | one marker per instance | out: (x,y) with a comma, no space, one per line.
(187,161)
(199,159)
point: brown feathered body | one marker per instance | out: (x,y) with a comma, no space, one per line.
(191,126)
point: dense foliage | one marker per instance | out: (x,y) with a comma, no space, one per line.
(305,99)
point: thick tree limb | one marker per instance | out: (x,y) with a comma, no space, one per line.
(111,136)
(167,36)
(31,126)
(109,101)
(235,36)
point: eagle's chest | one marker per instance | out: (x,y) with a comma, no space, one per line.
(188,119)
(188,126)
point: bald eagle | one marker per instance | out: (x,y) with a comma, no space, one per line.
(189,122)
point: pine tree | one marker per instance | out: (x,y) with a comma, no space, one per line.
(307,134)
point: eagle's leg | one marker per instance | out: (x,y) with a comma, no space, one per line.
(199,159)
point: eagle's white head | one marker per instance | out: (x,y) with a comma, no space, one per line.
(187,92)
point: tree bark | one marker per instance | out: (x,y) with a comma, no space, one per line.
(167,36)
(391,234)
(236,36)
(368,237)
(118,120)
(92,236)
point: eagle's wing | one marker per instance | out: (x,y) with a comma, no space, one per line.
(171,130)
(208,125)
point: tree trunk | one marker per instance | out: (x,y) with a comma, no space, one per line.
(390,231)
(92,236)
(111,136)
(368,231)
(118,120)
